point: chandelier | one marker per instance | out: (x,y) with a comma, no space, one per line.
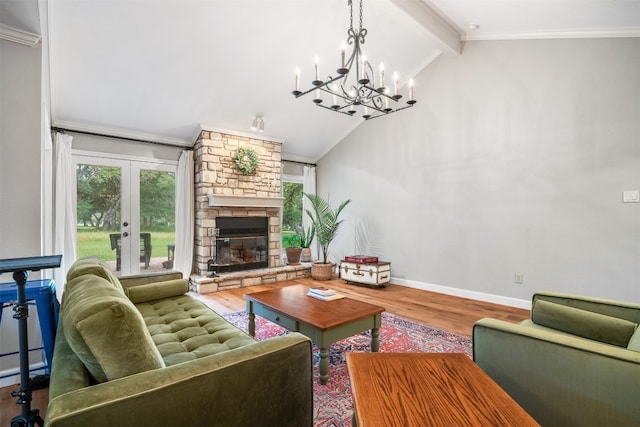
(355,85)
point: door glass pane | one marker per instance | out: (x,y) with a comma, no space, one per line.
(98,212)
(157,220)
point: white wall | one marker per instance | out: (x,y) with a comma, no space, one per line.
(123,148)
(19,150)
(513,161)
(20,177)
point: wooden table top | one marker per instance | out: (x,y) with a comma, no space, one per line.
(294,302)
(428,389)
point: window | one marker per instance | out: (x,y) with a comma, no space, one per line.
(292,194)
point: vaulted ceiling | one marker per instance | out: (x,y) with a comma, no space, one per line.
(159,69)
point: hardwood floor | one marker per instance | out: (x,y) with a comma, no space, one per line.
(447,312)
(444,311)
(9,408)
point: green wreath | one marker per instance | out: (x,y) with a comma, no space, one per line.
(246,160)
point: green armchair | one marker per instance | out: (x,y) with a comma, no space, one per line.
(576,362)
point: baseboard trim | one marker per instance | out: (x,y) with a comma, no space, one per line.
(11,377)
(9,381)
(463,293)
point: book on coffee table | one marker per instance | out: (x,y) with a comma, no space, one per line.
(322,291)
(333,297)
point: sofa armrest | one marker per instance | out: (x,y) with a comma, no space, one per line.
(560,379)
(266,383)
(607,307)
(143,279)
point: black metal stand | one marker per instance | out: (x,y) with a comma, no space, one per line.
(20,268)
(28,417)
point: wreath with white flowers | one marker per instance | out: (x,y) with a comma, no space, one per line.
(246,160)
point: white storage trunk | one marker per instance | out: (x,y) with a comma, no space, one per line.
(371,274)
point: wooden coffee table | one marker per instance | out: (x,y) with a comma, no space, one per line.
(428,389)
(325,322)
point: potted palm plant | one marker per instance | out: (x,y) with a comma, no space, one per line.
(306,237)
(326,222)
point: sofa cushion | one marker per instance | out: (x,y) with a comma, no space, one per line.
(92,265)
(158,290)
(185,329)
(106,331)
(587,324)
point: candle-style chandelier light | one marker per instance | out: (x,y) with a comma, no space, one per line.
(355,84)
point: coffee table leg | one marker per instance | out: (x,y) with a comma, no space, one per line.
(323,366)
(252,323)
(375,340)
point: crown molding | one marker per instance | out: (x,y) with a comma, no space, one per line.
(251,135)
(19,36)
(600,33)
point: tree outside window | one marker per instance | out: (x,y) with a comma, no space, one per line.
(291,212)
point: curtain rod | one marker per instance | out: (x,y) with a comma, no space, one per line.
(300,163)
(142,141)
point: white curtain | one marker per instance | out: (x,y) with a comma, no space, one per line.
(64,230)
(308,186)
(183,257)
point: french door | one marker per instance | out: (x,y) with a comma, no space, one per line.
(125,212)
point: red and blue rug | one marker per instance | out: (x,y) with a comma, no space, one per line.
(332,402)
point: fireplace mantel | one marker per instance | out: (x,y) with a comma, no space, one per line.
(245,201)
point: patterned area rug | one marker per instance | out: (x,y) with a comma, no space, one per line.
(333,402)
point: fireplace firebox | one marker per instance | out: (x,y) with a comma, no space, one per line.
(240,243)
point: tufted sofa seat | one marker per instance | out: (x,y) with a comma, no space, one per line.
(183,329)
(140,350)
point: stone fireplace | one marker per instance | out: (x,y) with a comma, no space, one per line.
(222,193)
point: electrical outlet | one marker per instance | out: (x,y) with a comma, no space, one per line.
(631,196)
(519,278)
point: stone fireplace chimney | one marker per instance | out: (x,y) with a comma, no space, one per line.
(222,191)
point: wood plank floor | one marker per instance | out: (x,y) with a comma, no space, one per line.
(9,408)
(443,311)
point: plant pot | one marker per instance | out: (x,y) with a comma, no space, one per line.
(293,256)
(321,271)
(306,255)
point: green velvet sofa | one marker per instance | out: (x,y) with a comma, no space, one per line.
(140,351)
(576,362)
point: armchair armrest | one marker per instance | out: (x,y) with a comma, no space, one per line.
(557,378)
(607,307)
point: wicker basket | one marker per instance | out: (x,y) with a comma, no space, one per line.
(320,271)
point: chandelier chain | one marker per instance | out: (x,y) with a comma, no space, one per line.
(351,15)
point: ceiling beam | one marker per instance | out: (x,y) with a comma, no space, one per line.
(446,36)
(18,36)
